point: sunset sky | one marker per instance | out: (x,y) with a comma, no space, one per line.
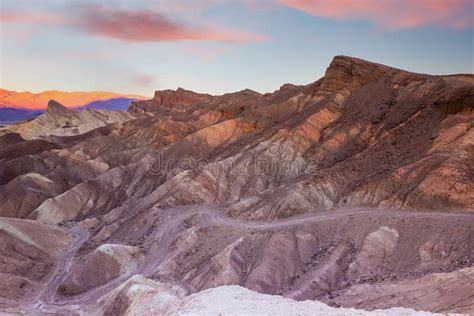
(220,46)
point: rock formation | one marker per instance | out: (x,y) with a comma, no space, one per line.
(355,190)
(61,121)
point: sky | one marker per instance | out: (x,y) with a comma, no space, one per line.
(220,46)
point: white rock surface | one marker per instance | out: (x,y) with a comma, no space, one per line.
(236,300)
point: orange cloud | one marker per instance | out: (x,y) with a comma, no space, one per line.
(394,14)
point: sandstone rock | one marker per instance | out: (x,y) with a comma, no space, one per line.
(140,296)
(106,263)
(24,194)
(376,248)
(429,292)
(234,300)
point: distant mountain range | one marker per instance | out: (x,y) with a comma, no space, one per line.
(61,121)
(19,106)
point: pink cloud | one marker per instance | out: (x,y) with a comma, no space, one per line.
(131,25)
(394,14)
(143,26)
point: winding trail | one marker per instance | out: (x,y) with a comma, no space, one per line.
(217,216)
(168,230)
(45,299)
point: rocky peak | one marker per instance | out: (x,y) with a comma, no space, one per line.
(179,97)
(242,94)
(57,108)
(355,64)
(287,86)
(345,71)
(250,92)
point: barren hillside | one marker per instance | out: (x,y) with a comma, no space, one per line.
(356,190)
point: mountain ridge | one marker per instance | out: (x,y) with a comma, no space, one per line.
(35,101)
(62,121)
(15,115)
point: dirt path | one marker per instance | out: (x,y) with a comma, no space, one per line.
(87,300)
(335,214)
(172,217)
(45,299)
(218,216)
